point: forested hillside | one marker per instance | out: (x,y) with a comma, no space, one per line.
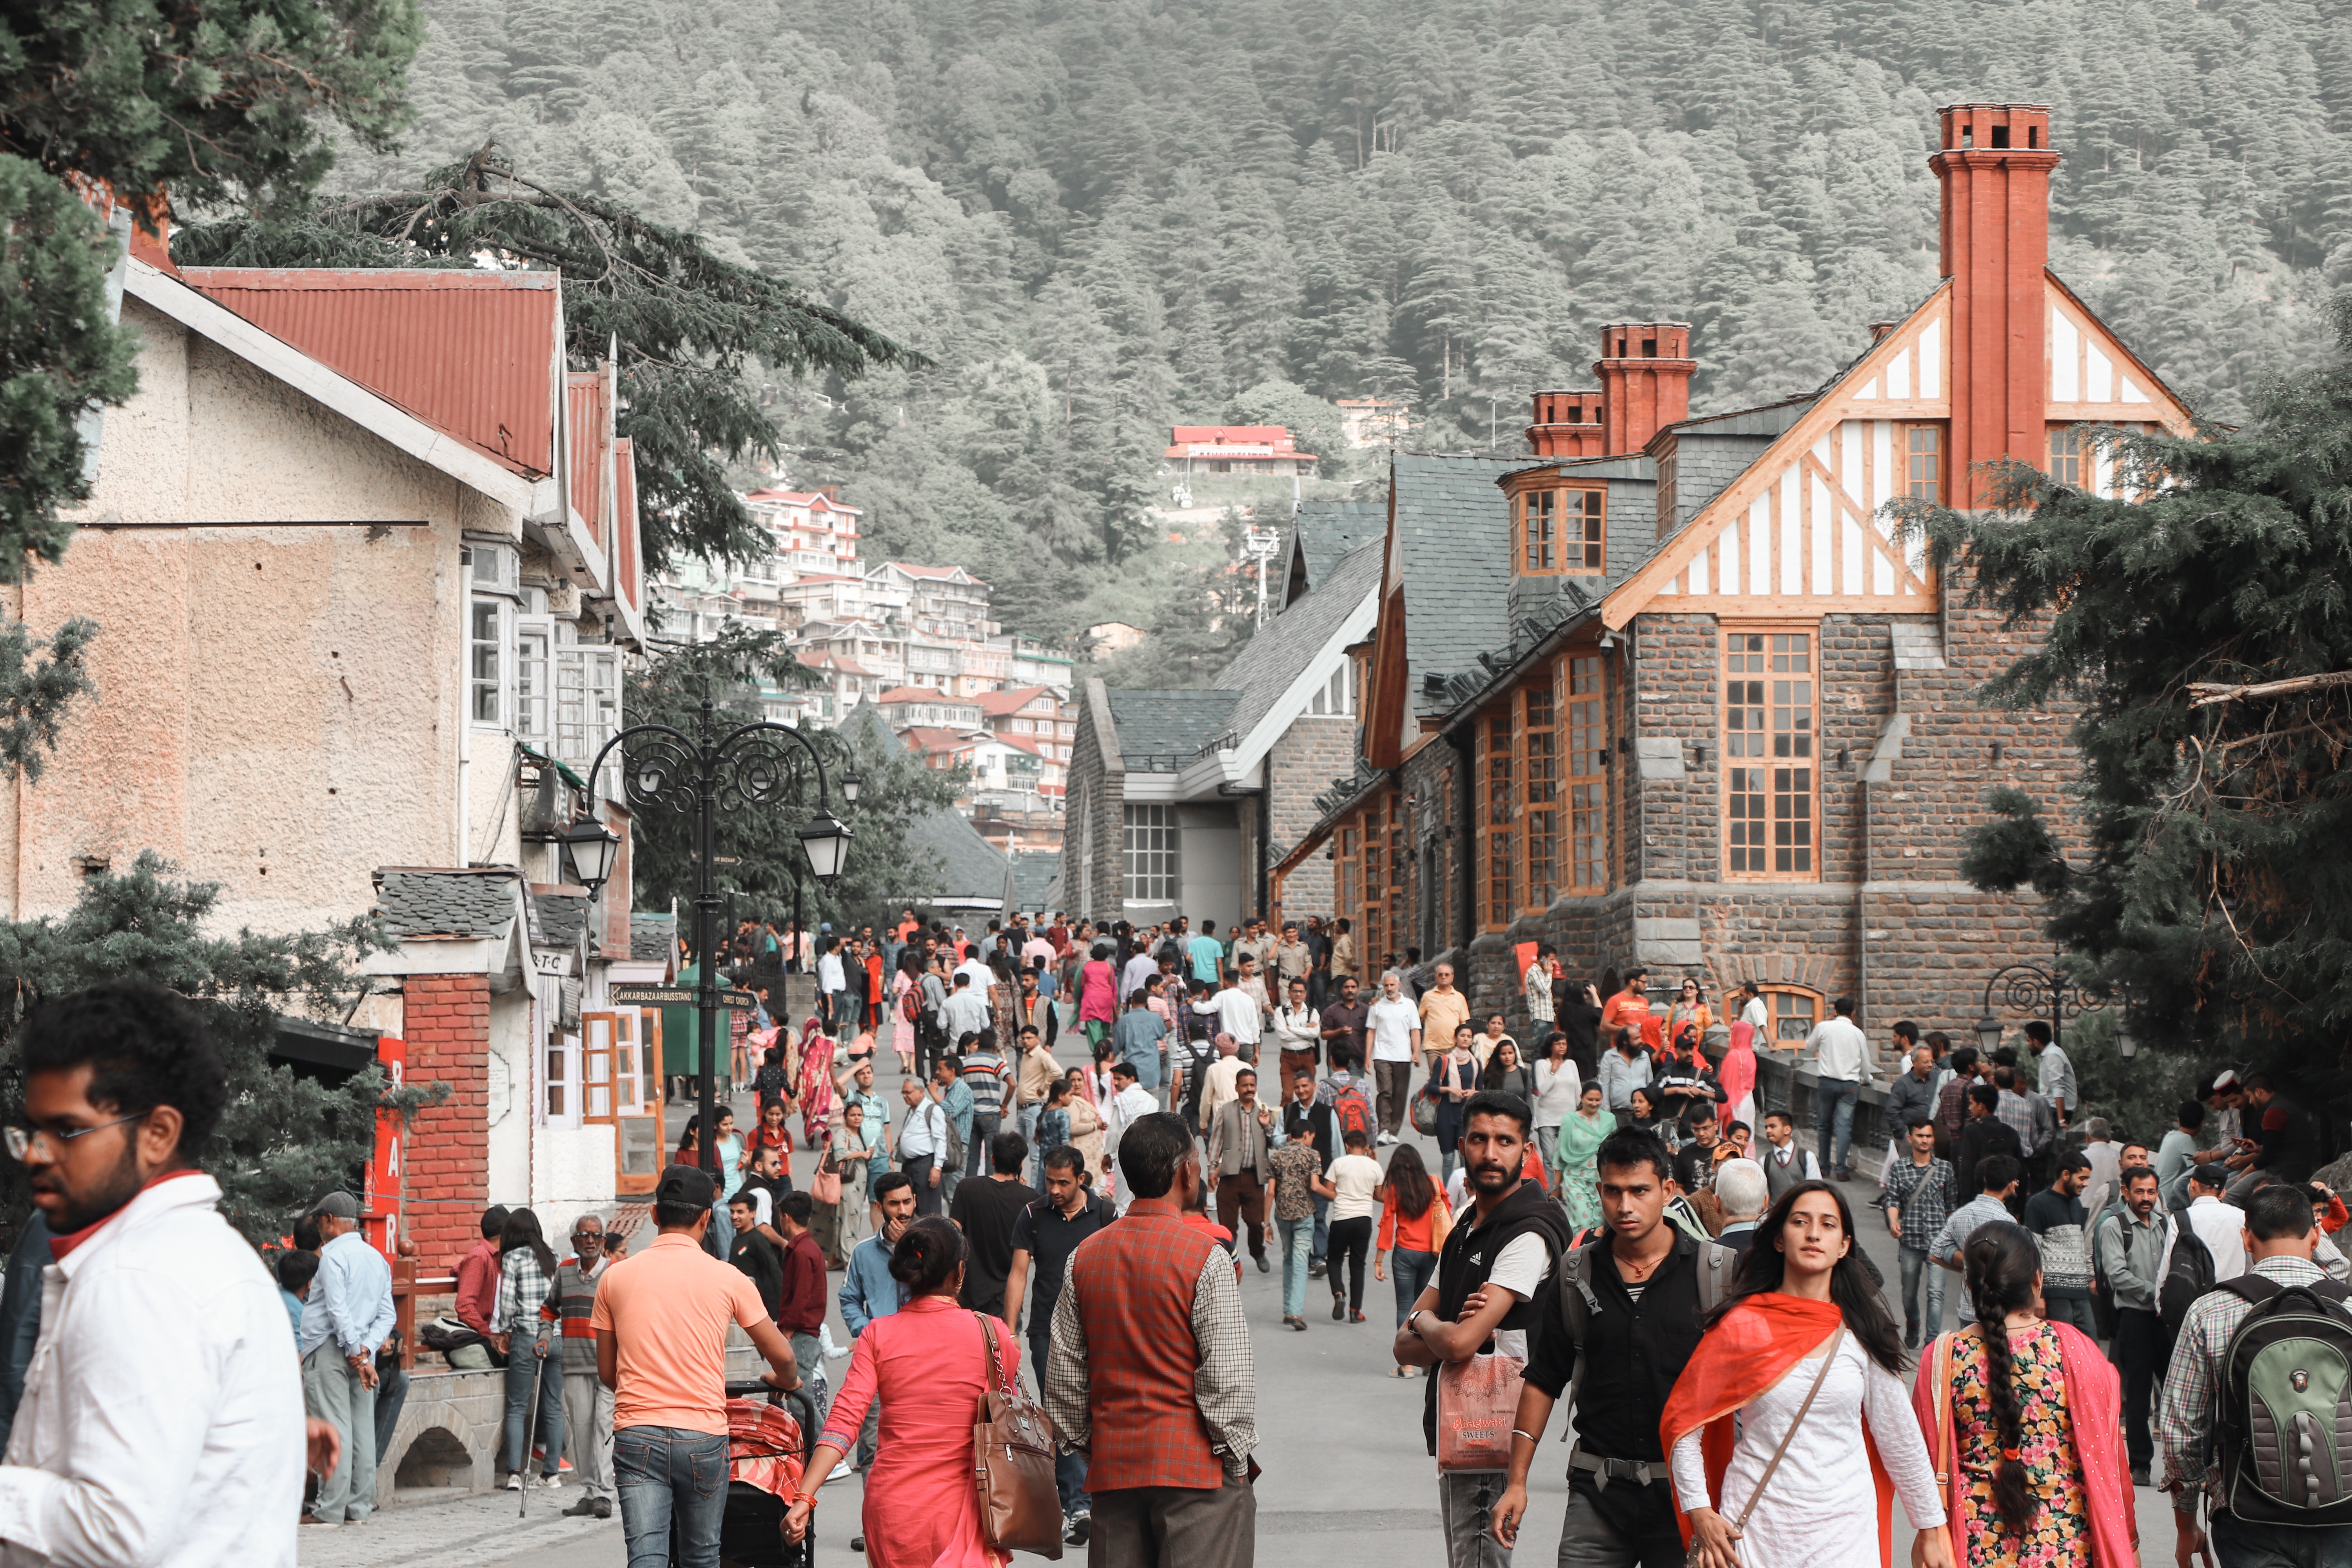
(1102,216)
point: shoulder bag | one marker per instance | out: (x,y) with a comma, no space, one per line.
(1829,1359)
(1012,1463)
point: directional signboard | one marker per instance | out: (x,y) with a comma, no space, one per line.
(674,996)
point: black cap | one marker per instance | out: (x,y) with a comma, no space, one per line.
(2212,1175)
(689,1186)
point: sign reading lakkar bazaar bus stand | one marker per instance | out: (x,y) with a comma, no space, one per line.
(674,996)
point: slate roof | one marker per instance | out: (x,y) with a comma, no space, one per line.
(1160,732)
(652,938)
(972,870)
(1033,877)
(416,901)
(1454,531)
(1283,648)
(1326,532)
(561,918)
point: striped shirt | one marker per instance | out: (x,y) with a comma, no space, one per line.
(1539,992)
(983,1074)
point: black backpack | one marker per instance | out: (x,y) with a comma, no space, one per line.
(2189,1275)
(2284,1436)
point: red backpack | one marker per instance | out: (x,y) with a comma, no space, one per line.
(1350,1113)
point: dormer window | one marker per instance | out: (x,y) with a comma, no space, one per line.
(1557,530)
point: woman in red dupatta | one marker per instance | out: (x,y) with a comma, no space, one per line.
(1737,1077)
(1791,1418)
(816,1080)
(2025,1429)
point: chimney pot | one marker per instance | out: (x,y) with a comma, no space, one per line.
(1642,395)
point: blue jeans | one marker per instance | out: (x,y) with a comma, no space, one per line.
(2237,1544)
(977,1159)
(1296,1237)
(1412,1272)
(659,1469)
(1028,1127)
(1069,1469)
(1913,1264)
(526,1372)
(722,1230)
(1833,1103)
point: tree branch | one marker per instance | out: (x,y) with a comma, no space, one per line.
(2210,692)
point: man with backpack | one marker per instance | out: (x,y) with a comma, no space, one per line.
(1617,1357)
(2218,1225)
(2128,1257)
(2259,1369)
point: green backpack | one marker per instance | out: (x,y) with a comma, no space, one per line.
(2285,1431)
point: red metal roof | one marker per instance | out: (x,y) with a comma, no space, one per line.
(919,694)
(998,704)
(813,500)
(935,574)
(585,390)
(932,739)
(467,352)
(834,661)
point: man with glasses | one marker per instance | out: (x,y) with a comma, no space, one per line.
(162,1420)
(587,1403)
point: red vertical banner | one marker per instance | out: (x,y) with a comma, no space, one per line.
(387,1168)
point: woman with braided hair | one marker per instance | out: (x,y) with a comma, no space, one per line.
(1787,1433)
(2025,1424)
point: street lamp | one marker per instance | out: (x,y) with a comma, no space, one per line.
(593,850)
(2026,988)
(850,785)
(746,768)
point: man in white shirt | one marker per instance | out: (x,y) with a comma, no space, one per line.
(162,1425)
(922,1144)
(1130,1105)
(1394,1026)
(1217,1089)
(966,1012)
(1238,1015)
(1841,1056)
(2221,1226)
(833,987)
(1755,1014)
(1298,1031)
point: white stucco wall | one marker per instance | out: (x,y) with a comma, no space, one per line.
(275,706)
(507,1095)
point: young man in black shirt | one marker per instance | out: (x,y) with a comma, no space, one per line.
(987,1211)
(1623,1318)
(1047,1232)
(1494,1269)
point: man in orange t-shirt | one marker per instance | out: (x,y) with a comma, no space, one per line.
(660,1323)
(1628,1006)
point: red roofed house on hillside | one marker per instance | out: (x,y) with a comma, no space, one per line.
(1034,714)
(364,549)
(1263,449)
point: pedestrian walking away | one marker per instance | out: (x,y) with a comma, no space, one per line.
(1490,1273)
(345,1320)
(1842,1057)
(660,1320)
(1618,1365)
(1801,1366)
(1150,1373)
(2020,1414)
(929,1364)
(162,1422)
(1415,1220)
(1355,1180)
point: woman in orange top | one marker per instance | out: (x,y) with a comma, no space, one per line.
(1413,1222)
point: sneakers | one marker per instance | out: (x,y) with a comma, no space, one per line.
(1385,1139)
(551,1482)
(1339,1309)
(1316,1269)
(840,1473)
(514,1481)
(1078,1527)
(1355,1317)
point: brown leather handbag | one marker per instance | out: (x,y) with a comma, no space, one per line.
(1012,1463)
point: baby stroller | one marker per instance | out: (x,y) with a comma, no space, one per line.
(768,1451)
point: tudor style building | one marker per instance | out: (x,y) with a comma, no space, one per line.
(1679,693)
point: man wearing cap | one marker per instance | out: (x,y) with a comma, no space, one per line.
(660,1320)
(344,1320)
(587,1403)
(2221,1226)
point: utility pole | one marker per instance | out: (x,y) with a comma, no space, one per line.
(1259,544)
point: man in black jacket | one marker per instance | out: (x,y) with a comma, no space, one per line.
(1618,1324)
(1982,1135)
(1491,1277)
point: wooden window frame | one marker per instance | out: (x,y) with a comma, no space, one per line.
(1772,1011)
(1593,754)
(2079,459)
(1585,553)
(1498,814)
(1768,629)
(1539,791)
(1905,485)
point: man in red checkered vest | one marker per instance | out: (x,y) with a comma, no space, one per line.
(1150,1373)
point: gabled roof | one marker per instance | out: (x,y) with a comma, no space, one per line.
(562,917)
(592,429)
(1449,549)
(815,500)
(1295,653)
(416,901)
(1324,533)
(833,662)
(898,694)
(1159,731)
(1000,704)
(934,739)
(972,874)
(469,350)
(930,574)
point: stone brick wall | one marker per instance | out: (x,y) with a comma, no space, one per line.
(1093,828)
(446,1025)
(1302,762)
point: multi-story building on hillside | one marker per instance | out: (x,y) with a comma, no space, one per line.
(1684,695)
(1262,451)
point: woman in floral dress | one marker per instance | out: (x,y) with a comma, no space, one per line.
(2025,1421)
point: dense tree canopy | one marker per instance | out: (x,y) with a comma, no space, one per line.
(1101,219)
(2202,629)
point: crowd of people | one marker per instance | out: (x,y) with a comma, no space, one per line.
(1609,1224)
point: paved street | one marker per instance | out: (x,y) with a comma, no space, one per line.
(1347,1478)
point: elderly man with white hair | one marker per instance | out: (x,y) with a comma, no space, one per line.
(1739,1187)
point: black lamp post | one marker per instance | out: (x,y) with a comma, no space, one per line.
(2030,989)
(748,767)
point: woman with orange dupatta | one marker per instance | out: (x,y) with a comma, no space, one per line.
(2025,1426)
(1789,1433)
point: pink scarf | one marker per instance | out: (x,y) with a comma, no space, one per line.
(2094,1408)
(1738,1073)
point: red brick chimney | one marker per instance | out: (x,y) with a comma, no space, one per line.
(1995,166)
(1568,425)
(1645,371)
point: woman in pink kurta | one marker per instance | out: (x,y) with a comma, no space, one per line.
(928,1363)
(1737,1077)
